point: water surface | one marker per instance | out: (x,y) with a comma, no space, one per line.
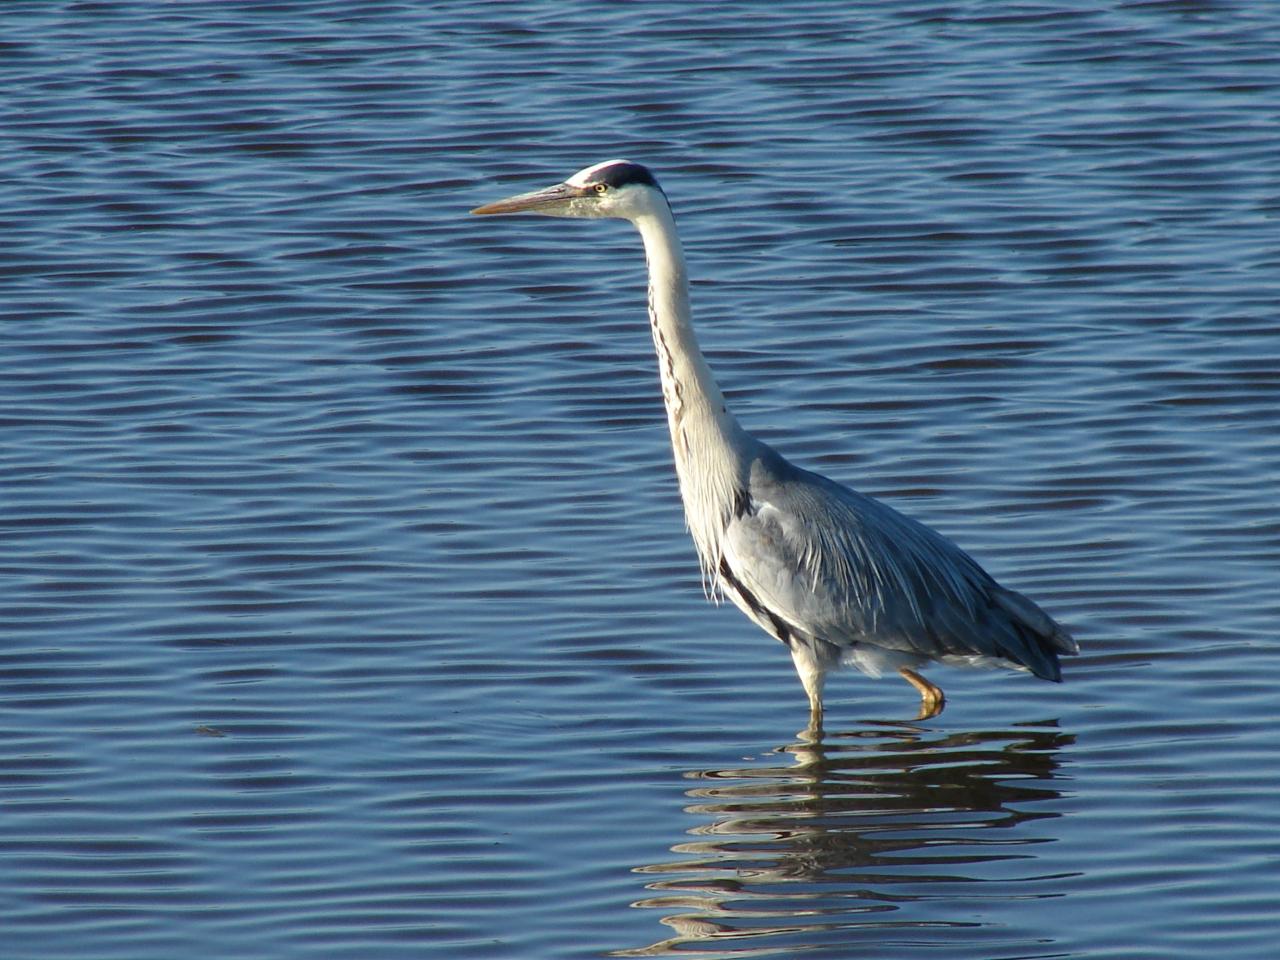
(346,606)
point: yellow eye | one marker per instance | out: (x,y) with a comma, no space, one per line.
(602,187)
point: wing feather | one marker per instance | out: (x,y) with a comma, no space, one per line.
(845,568)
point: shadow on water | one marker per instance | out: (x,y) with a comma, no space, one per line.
(894,837)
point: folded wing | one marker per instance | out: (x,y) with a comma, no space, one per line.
(845,568)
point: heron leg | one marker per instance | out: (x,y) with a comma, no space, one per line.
(815,714)
(932,699)
(811,675)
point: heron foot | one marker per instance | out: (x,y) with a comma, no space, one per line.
(932,699)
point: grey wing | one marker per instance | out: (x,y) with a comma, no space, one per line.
(828,562)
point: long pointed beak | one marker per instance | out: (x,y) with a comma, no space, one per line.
(547,200)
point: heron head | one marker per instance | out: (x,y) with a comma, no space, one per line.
(614,188)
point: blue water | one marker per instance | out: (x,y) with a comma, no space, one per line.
(345,609)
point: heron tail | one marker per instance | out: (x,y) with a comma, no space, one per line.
(1049,637)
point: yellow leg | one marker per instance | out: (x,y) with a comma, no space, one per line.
(815,714)
(932,699)
(811,673)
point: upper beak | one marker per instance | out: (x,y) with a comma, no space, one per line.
(537,201)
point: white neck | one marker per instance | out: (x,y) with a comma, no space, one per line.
(711,449)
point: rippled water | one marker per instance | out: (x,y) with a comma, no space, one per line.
(346,606)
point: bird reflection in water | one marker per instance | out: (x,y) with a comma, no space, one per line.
(895,837)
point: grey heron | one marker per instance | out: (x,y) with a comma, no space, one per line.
(840,578)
